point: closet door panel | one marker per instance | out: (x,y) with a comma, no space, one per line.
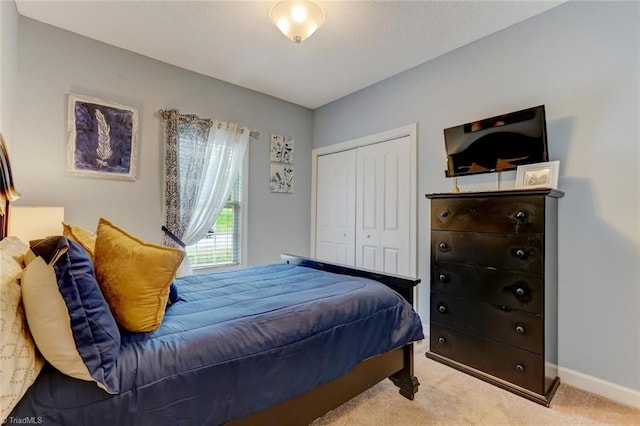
(367,185)
(395,237)
(383,206)
(391,260)
(367,208)
(391,191)
(335,207)
(369,257)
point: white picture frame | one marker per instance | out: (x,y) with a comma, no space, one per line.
(281,150)
(102,138)
(282,178)
(538,175)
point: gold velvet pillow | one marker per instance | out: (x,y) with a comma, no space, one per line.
(81,236)
(134,276)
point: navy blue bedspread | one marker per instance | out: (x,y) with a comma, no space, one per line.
(235,343)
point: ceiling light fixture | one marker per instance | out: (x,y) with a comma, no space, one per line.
(297,19)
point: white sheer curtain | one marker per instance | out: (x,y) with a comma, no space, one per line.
(223,159)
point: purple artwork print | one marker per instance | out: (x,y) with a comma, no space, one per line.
(102,139)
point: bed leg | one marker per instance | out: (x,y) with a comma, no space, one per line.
(404,379)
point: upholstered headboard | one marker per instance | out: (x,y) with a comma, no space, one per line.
(7,191)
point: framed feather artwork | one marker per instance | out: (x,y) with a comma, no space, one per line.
(103,139)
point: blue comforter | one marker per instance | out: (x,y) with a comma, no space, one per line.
(235,343)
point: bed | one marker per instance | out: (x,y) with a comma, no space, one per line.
(281,344)
(299,339)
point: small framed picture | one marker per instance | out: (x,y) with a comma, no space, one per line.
(538,175)
(281,149)
(103,138)
(282,178)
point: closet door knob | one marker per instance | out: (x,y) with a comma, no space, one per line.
(521,216)
(521,254)
(442,309)
(442,278)
(444,213)
(520,329)
(520,368)
(520,291)
(443,246)
(441,340)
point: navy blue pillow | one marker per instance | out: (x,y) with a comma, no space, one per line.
(173,294)
(69,318)
(94,328)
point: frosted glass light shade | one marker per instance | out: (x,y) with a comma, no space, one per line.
(33,223)
(297,20)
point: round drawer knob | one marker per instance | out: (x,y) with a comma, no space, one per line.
(520,329)
(442,278)
(443,246)
(442,309)
(521,216)
(520,291)
(444,213)
(520,368)
(521,253)
(442,340)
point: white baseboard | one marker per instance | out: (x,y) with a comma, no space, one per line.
(600,387)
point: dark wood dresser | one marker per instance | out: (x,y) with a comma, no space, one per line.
(494,310)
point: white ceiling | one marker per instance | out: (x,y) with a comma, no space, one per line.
(361,42)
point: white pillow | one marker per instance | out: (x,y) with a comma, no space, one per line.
(20,363)
(14,248)
(52,330)
(68,316)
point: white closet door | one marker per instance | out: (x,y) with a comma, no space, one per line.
(336,207)
(383,207)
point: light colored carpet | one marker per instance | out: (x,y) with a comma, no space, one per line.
(449,397)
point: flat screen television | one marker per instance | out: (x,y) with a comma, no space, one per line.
(498,143)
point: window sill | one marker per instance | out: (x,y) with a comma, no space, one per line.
(217,268)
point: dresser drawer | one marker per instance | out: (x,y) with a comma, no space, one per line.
(500,251)
(516,366)
(513,327)
(519,215)
(504,288)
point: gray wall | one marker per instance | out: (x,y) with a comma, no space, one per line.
(582,60)
(52,63)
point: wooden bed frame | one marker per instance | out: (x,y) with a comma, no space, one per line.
(7,191)
(396,364)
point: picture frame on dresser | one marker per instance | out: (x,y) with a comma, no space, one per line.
(538,175)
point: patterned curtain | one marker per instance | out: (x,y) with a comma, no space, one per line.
(185,151)
(202,162)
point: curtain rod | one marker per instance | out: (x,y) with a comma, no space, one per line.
(252,133)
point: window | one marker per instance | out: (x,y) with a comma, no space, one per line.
(222,246)
(203,161)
